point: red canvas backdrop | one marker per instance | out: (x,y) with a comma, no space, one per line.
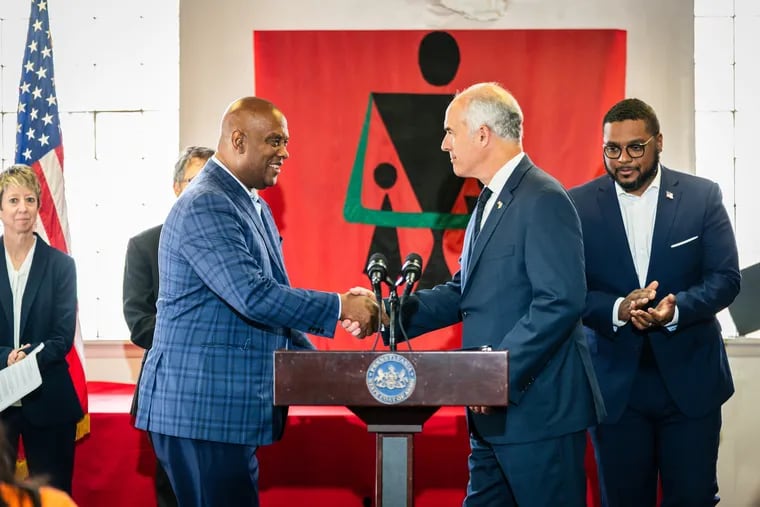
(564,80)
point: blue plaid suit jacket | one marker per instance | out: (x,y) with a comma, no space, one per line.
(225,305)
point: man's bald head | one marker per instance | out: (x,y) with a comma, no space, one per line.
(242,111)
(252,144)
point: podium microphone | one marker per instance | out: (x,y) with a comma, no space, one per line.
(377,271)
(411,270)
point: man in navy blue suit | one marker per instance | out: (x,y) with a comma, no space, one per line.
(661,261)
(520,288)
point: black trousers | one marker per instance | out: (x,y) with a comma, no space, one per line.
(49,449)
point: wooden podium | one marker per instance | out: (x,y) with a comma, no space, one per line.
(394,394)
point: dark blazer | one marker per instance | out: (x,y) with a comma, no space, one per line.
(225,305)
(522,289)
(693,256)
(140,292)
(48,315)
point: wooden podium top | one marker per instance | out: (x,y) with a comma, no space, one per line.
(387,379)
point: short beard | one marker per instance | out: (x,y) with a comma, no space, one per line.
(645,177)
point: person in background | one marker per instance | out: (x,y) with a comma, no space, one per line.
(225,305)
(661,261)
(140,289)
(38,296)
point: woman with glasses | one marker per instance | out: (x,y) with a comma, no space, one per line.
(38,300)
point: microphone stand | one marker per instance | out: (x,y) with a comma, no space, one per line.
(393,305)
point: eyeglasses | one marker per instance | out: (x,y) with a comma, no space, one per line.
(634,150)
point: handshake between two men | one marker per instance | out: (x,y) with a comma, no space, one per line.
(362,309)
(360,312)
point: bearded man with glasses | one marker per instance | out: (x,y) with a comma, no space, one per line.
(661,261)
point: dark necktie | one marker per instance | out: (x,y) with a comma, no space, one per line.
(485,194)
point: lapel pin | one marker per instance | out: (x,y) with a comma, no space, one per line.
(499,204)
(669,194)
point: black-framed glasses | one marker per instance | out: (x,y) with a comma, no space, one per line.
(634,150)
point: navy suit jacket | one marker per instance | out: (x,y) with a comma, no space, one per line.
(48,315)
(522,289)
(140,292)
(224,306)
(693,256)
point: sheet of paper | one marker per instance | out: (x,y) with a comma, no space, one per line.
(20,379)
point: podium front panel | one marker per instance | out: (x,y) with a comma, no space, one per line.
(439,378)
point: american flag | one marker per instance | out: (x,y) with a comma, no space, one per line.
(39,145)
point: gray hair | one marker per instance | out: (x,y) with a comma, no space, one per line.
(190,152)
(491,105)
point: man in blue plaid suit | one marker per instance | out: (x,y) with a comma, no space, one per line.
(225,305)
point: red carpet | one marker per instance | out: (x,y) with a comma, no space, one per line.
(326,458)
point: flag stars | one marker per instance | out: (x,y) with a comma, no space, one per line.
(37,120)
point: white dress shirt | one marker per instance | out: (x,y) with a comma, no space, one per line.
(497,185)
(639,213)
(18,281)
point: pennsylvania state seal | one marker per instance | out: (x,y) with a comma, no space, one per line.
(391,378)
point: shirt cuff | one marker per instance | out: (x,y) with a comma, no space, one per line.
(673,324)
(616,323)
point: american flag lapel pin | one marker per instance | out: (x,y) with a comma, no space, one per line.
(669,194)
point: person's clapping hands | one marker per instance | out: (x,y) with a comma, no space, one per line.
(658,316)
(637,300)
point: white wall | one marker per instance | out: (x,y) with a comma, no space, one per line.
(739,454)
(727,77)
